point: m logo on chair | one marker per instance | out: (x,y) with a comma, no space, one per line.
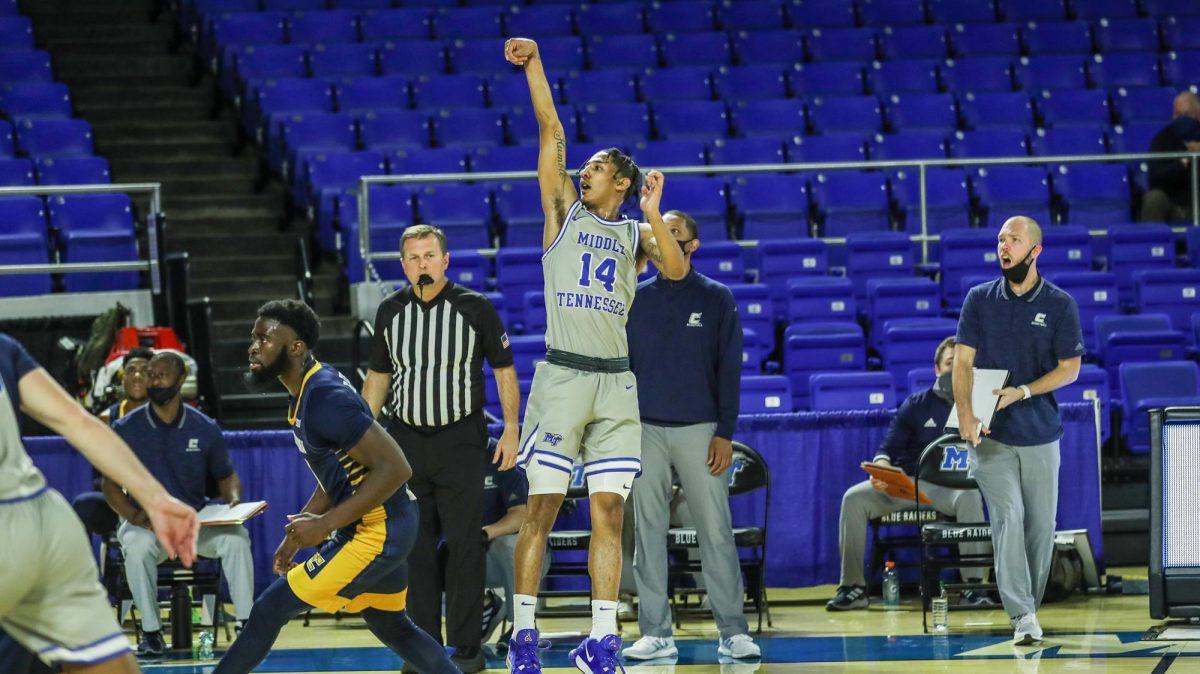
(955,459)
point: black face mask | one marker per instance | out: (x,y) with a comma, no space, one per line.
(944,387)
(683,245)
(1016,274)
(161,395)
(266,378)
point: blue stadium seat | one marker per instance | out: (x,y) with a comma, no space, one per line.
(519,209)
(984,39)
(478,57)
(978,73)
(1108,325)
(1170,8)
(705,199)
(751,82)
(448,91)
(1064,140)
(1134,138)
(899,297)
(412,57)
(772,206)
(1067,248)
(851,201)
(1179,68)
(73,171)
(751,15)
(892,77)
(410,23)
(780,118)
(991,142)
(696,49)
(782,260)
(860,114)
(538,20)
(1134,247)
(35,99)
(390,205)
(997,109)
(1145,386)
(1007,190)
(755,310)
(1171,292)
(680,17)
(962,11)
(514,158)
(830,147)
(721,261)
(1105,9)
(965,251)
(567,52)
(395,129)
(691,119)
(95,228)
(1056,71)
(909,145)
(368,94)
(1091,384)
(1073,107)
(248,28)
(1143,104)
(293,6)
(24,65)
(921,378)
(518,270)
(427,160)
(891,12)
(523,128)
(1057,37)
(820,298)
(1032,10)
(842,44)
(258,62)
(285,97)
(593,86)
(911,342)
(811,348)
(8,147)
(1094,194)
(1148,346)
(54,137)
(459,22)
(471,269)
(615,123)
(511,92)
(876,255)
(527,351)
(1114,35)
(1181,32)
(921,112)
(827,79)
(947,201)
(468,128)
(636,51)
(331,175)
(464,211)
(24,241)
(914,42)
(1193,246)
(679,83)
(852,391)
(16,172)
(783,47)
(764,394)
(324,131)
(534,312)
(753,354)
(743,151)
(822,13)
(16,32)
(1125,69)
(328,27)
(360,4)
(671,152)
(614,18)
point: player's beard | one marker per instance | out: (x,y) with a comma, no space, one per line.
(266,377)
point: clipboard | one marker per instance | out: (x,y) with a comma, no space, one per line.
(899,485)
(983,401)
(217,514)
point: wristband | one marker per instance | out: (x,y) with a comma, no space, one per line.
(1025,389)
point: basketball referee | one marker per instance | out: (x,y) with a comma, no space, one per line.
(428,350)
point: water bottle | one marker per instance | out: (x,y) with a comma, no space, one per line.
(891,586)
(941,610)
(205,649)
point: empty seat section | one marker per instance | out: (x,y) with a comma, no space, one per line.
(1057,37)
(1129,34)
(982,39)
(771,206)
(914,42)
(1135,247)
(1073,107)
(519,209)
(842,44)
(907,343)
(821,298)
(743,151)
(822,13)
(830,147)
(24,241)
(694,119)
(509,158)
(427,160)
(909,145)
(851,201)
(636,51)
(891,12)
(468,128)
(681,17)
(1180,32)
(671,152)
(706,200)
(852,391)
(1095,294)
(899,297)
(395,129)
(765,394)
(1105,9)
(811,348)
(464,211)
(827,79)
(448,91)
(323,27)
(1171,292)
(947,200)
(35,99)
(1094,194)
(1143,104)
(772,118)
(460,22)
(590,86)
(978,73)
(95,228)
(681,83)
(1145,386)
(73,171)
(965,251)
(412,23)
(876,255)
(751,15)
(1068,140)
(539,20)
(1091,384)
(722,261)
(16,172)
(962,11)
(518,270)
(368,94)
(754,311)
(330,175)
(343,60)
(859,114)
(615,123)
(610,18)
(1179,68)
(1050,72)
(1031,10)
(780,261)
(1066,248)
(751,82)
(921,112)
(54,137)
(1005,191)
(696,49)
(894,77)
(412,58)
(1125,69)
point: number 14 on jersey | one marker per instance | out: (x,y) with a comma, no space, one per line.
(605,271)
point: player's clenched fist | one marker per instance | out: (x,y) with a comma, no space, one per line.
(652,188)
(518,50)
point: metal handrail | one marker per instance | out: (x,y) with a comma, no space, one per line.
(151,264)
(365,182)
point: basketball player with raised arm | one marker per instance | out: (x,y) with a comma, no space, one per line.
(583,403)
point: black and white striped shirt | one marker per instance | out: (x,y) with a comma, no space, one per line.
(434,352)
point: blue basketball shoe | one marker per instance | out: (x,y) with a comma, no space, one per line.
(523,650)
(598,656)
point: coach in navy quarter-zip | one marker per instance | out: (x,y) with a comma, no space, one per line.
(689,407)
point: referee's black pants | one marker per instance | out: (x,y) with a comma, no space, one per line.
(449,464)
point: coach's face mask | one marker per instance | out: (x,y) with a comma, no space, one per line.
(1016,274)
(161,395)
(944,387)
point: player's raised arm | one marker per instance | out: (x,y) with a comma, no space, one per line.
(667,257)
(558,191)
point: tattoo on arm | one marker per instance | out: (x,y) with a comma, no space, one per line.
(560,206)
(653,251)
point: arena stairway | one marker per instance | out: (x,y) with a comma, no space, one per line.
(157,116)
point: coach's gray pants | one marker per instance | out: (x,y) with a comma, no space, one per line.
(143,554)
(862,503)
(1021,488)
(684,448)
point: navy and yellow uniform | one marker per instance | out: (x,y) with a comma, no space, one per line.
(117,411)
(363,565)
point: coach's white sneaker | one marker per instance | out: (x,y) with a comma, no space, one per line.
(1026,630)
(739,647)
(651,648)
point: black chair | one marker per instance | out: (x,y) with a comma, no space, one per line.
(881,545)
(747,472)
(944,462)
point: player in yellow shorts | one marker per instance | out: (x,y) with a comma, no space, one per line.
(361,514)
